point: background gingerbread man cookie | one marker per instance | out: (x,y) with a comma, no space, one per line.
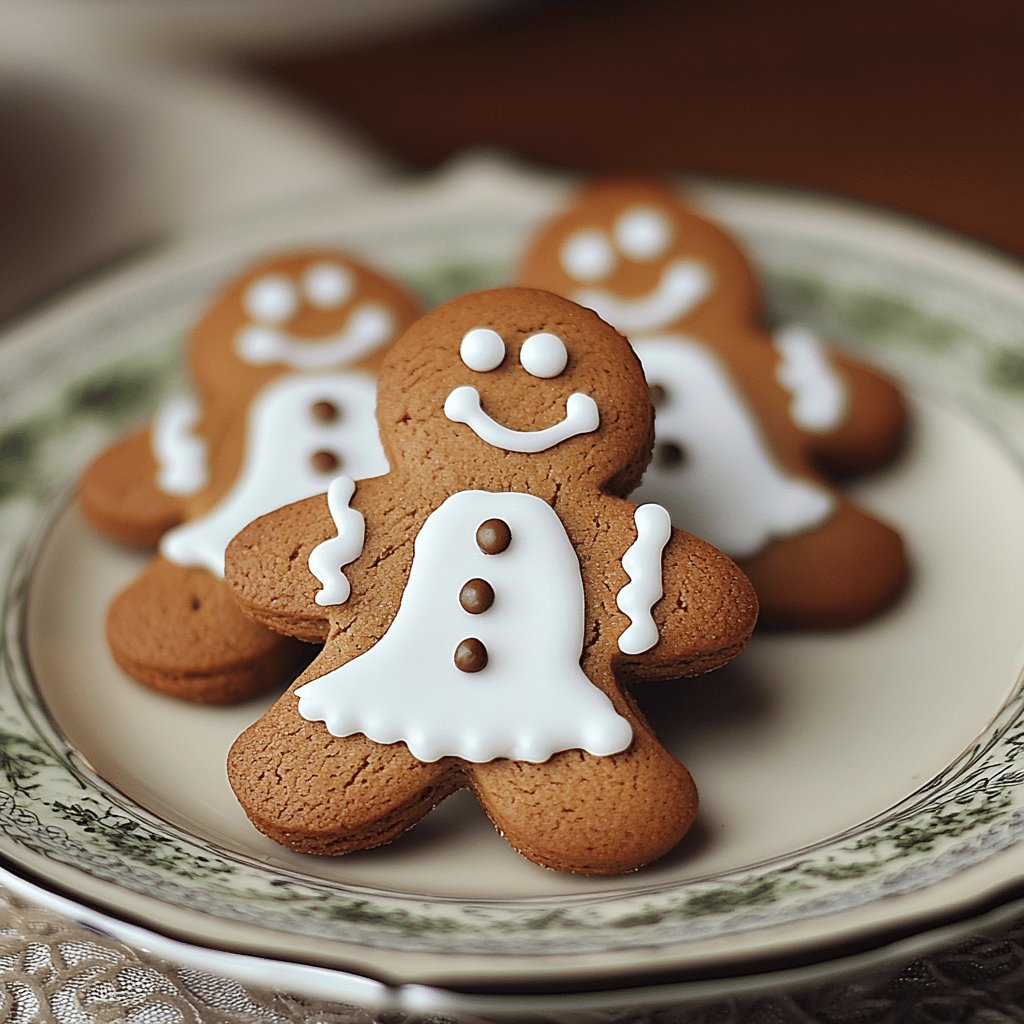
(485,602)
(751,427)
(283,365)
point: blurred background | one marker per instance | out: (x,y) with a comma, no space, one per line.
(125,122)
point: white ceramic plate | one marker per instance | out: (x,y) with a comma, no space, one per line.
(855,785)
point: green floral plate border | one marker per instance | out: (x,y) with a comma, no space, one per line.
(939,311)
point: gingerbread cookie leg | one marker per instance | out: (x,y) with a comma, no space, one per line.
(120,496)
(591,815)
(848,569)
(312,792)
(178,630)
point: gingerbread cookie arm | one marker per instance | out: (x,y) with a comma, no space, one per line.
(301,567)
(851,418)
(874,427)
(685,607)
(266,566)
(708,610)
(120,495)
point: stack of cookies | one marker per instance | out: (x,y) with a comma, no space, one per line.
(458,539)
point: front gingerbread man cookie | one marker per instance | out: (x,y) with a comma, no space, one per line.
(484,602)
(751,427)
(283,363)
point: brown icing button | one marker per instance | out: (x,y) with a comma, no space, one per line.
(324,462)
(470,655)
(325,412)
(658,395)
(668,455)
(476,596)
(493,536)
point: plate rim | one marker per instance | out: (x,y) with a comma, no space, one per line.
(646,991)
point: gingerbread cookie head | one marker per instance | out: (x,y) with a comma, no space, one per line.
(639,256)
(483,395)
(485,601)
(311,311)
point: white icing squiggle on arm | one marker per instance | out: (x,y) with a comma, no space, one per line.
(180,455)
(642,562)
(328,558)
(819,395)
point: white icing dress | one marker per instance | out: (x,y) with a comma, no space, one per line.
(531,699)
(727,487)
(303,430)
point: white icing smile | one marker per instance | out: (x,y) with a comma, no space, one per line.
(683,284)
(369,327)
(581,417)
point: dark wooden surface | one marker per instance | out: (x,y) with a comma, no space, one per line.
(913,104)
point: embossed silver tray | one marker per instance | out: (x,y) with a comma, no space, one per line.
(856,785)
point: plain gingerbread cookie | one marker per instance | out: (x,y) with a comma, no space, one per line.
(753,428)
(283,363)
(484,603)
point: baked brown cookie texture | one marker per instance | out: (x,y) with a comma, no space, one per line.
(754,428)
(283,365)
(485,602)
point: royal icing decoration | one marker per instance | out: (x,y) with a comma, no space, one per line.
(271,299)
(581,417)
(544,355)
(482,349)
(588,256)
(643,233)
(818,392)
(724,484)
(482,659)
(328,285)
(682,285)
(368,327)
(642,564)
(302,432)
(327,559)
(180,454)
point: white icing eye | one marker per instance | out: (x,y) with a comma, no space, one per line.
(587,256)
(643,233)
(482,349)
(327,285)
(543,355)
(271,299)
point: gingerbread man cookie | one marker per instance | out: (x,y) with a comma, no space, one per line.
(484,602)
(752,427)
(283,367)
